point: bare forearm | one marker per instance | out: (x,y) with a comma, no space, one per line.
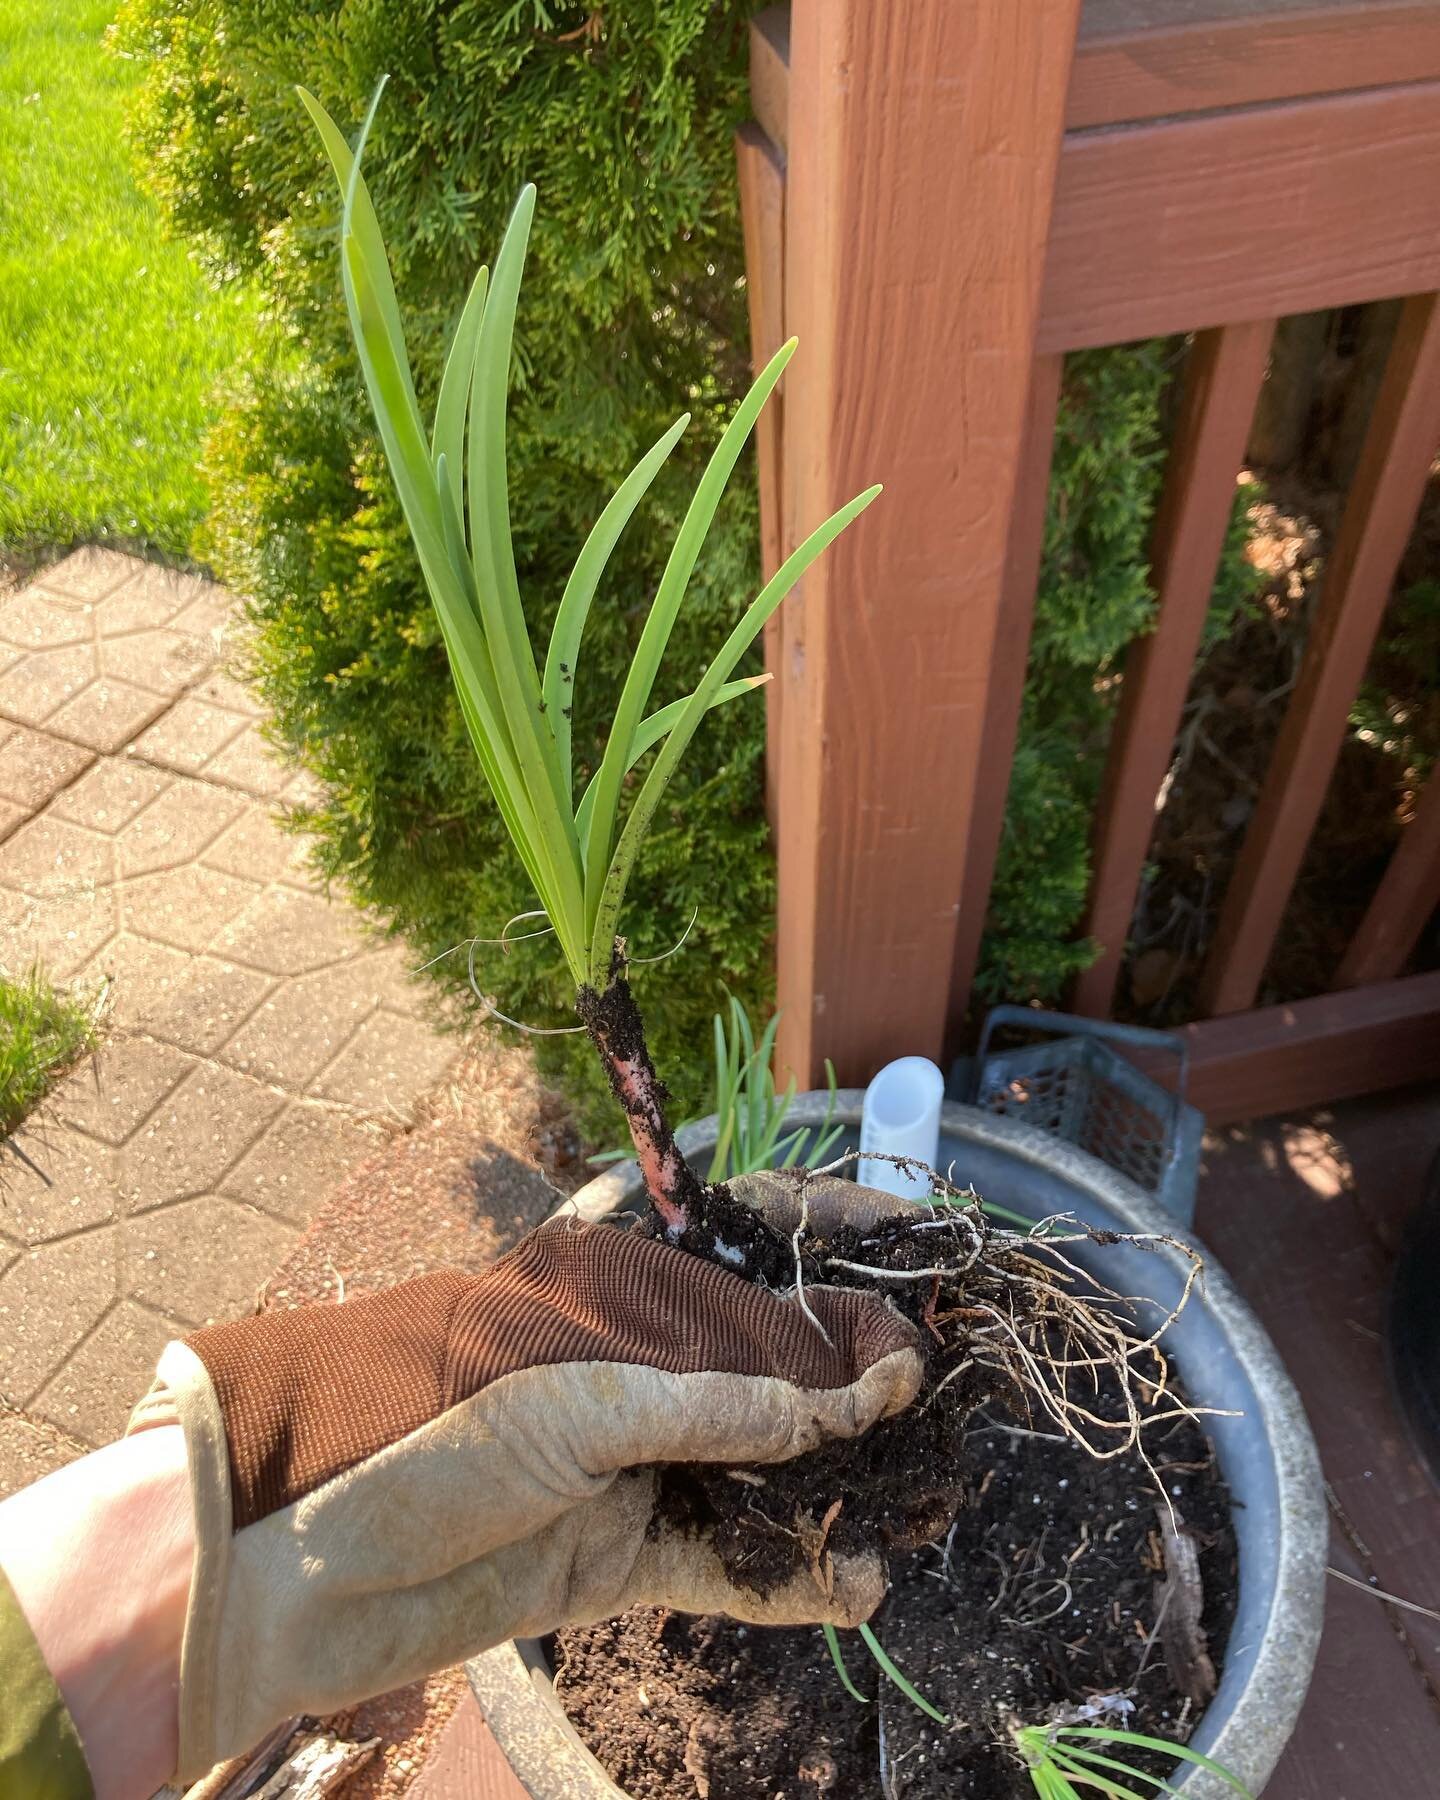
(99,1555)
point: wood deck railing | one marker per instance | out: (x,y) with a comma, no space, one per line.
(941,200)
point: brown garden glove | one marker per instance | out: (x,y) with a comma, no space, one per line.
(385,1487)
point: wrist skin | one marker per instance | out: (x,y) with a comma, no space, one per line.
(99,1555)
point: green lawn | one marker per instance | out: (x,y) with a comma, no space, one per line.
(43,1031)
(110,338)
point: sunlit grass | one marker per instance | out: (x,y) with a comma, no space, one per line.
(43,1032)
(110,337)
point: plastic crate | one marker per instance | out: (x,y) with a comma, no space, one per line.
(1077,1086)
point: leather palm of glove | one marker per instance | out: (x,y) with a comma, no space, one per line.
(387,1487)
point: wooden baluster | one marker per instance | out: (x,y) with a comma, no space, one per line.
(1394,465)
(922,144)
(1222,381)
(1007,678)
(1407,895)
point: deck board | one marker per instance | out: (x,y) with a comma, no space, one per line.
(1306,1215)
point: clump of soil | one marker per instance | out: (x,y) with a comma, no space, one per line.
(999,1319)
(1046,1593)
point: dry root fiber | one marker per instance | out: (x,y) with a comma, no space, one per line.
(1007,1318)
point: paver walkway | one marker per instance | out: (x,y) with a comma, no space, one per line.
(260,1042)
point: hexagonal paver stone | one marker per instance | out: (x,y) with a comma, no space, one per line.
(30,1449)
(34,767)
(198,1132)
(250,764)
(49,859)
(186,818)
(50,1298)
(115,1090)
(299,1030)
(53,1180)
(390,977)
(109,795)
(387,1066)
(298,1158)
(153,596)
(63,934)
(92,573)
(36,621)
(195,1002)
(204,1258)
(186,737)
(209,613)
(41,683)
(162,659)
(107,714)
(188,906)
(289,933)
(224,691)
(95,1392)
(256,846)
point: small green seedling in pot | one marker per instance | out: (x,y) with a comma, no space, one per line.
(451,480)
(1063,1761)
(1069,1762)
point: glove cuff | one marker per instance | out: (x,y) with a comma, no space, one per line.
(182,1394)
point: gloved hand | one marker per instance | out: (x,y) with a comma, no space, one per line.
(385,1487)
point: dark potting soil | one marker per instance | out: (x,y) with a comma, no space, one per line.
(1043,1594)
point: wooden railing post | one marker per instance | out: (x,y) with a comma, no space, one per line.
(762,211)
(923,138)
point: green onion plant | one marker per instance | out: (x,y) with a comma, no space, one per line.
(1063,1761)
(450,474)
(749,1113)
(1069,1762)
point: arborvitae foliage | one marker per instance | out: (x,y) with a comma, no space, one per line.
(633,310)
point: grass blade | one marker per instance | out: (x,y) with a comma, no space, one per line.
(448,439)
(1071,1754)
(558,685)
(832,1639)
(657,726)
(1092,1778)
(635,695)
(557,847)
(1097,1733)
(734,647)
(906,1687)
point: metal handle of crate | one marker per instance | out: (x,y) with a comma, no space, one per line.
(1072,1025)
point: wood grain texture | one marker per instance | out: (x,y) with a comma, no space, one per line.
(1189,223)
(762,213)
(1408,894)
(916,342)
(1312,1052)
(1007,678)
(1379,512)
(1137,61)
(770,73)
(1195,56)
(1223,376)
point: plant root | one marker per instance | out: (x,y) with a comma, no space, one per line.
(1008,1319)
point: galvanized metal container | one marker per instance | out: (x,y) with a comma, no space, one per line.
(1266,1453)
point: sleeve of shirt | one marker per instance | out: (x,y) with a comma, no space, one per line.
(40,1754)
